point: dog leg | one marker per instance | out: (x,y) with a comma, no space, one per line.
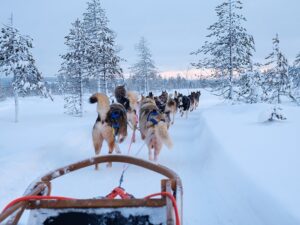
(111,146)
(157,148)
(117,147)
(150,153)
(98,141)
(133,135)
(142,136)
(173,118)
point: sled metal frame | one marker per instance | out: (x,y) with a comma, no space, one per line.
(172,185)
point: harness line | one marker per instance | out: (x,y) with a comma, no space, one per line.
(126,166)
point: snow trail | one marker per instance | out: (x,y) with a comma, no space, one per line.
(216,189)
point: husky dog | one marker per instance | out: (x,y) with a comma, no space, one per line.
(175,94)
(110,125)
(120,94)
(160,104)
(197,97)
(171,108)
(150,95)
(192,101)
(130,101)
(133,99)
(153,128)
(183,104)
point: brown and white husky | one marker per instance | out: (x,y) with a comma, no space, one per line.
(171,108)
(153,128)
(129,100)
(111,124)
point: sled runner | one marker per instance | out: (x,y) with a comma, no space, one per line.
(164,209)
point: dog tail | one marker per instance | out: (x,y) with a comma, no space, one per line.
(161,131)
(133,99)
(93,99)
(102,103)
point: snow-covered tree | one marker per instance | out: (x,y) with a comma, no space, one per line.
(277,81)
(103,59)
(73,69)
(229,49)
(295,76)
(2,95)
(17,61)
(144,71)
(249,85)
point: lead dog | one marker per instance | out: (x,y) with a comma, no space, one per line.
(153,128)
(110,125)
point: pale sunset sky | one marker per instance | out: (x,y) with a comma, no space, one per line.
(173,28)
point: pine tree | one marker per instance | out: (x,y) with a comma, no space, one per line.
(250,85)
(230,48)
(144,71)
(16,60)
(104,62)
(73,69)
(2,95)
(277,79)
(295,76)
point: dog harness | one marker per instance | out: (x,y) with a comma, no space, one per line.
(151,117)
(115,124)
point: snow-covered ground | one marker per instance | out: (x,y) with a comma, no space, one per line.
(235,169)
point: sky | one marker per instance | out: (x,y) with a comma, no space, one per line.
(173,28)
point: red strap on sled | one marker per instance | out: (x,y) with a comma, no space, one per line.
(33,197)
(118,191)
(172,198)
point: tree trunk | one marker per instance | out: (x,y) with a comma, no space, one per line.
(81,96)
(105,84)
(146,84)
(99,84)
(230,52)
(16,106)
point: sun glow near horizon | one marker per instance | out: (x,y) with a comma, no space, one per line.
(188,74)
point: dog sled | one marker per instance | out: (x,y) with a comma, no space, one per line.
(163,208)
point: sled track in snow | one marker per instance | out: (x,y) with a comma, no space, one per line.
(216,190)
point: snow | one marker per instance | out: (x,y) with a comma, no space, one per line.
(235,169)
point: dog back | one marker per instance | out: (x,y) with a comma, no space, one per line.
(120,92)
(117,118)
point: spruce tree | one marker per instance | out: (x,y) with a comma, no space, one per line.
(73,69)
(249,85)
(277,81)
(103,59)
(144,71)
(2,94)
(229,48)
(17,61)
(295,75)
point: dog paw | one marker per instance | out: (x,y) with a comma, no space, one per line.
(118,151)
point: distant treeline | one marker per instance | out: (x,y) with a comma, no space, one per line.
(90,86)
